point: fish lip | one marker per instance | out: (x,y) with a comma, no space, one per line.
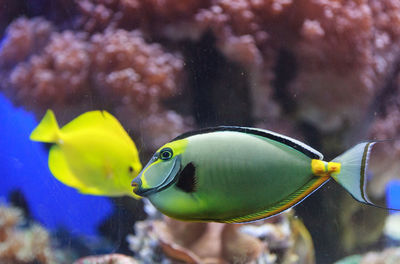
(136,184)
(135,187)
(168,181)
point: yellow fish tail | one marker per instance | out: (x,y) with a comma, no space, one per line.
(48,130)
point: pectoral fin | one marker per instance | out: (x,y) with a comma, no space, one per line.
(60,169)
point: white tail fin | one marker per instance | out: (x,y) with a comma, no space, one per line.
(352,176)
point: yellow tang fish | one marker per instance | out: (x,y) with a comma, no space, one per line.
(93,153)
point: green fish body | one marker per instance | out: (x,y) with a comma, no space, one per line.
(92,153)
(236,174)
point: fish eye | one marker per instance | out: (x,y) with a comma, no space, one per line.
(130,169)
(166,154)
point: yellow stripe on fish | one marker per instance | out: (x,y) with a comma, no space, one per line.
(323,168)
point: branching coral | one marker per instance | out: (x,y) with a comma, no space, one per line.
(189,20)
(22,246)
(345,53)
(24,37)
(135,77)
(343,49)
(41,68)
(57,76)
(46,69)
(147,14)
(128,70)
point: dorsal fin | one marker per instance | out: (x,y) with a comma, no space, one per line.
(93,119)
(97,120)
(291,142)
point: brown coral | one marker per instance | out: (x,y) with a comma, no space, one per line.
(344,53)
(22,246)
(239,247)
(58,70)
(24,38)
(121,64)
(136,77)
(128,70)
(55,77)
(343,49)
(96,15)
(265,241)
(107,259)
(42,68)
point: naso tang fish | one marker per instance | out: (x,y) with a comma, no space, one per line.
(238,174)
(92,153)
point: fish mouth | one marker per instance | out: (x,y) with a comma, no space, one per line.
(135,185)
(168,180)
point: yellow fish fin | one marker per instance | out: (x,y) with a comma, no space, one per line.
(48,130)
(60,169)
(284,204)
(96,120)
